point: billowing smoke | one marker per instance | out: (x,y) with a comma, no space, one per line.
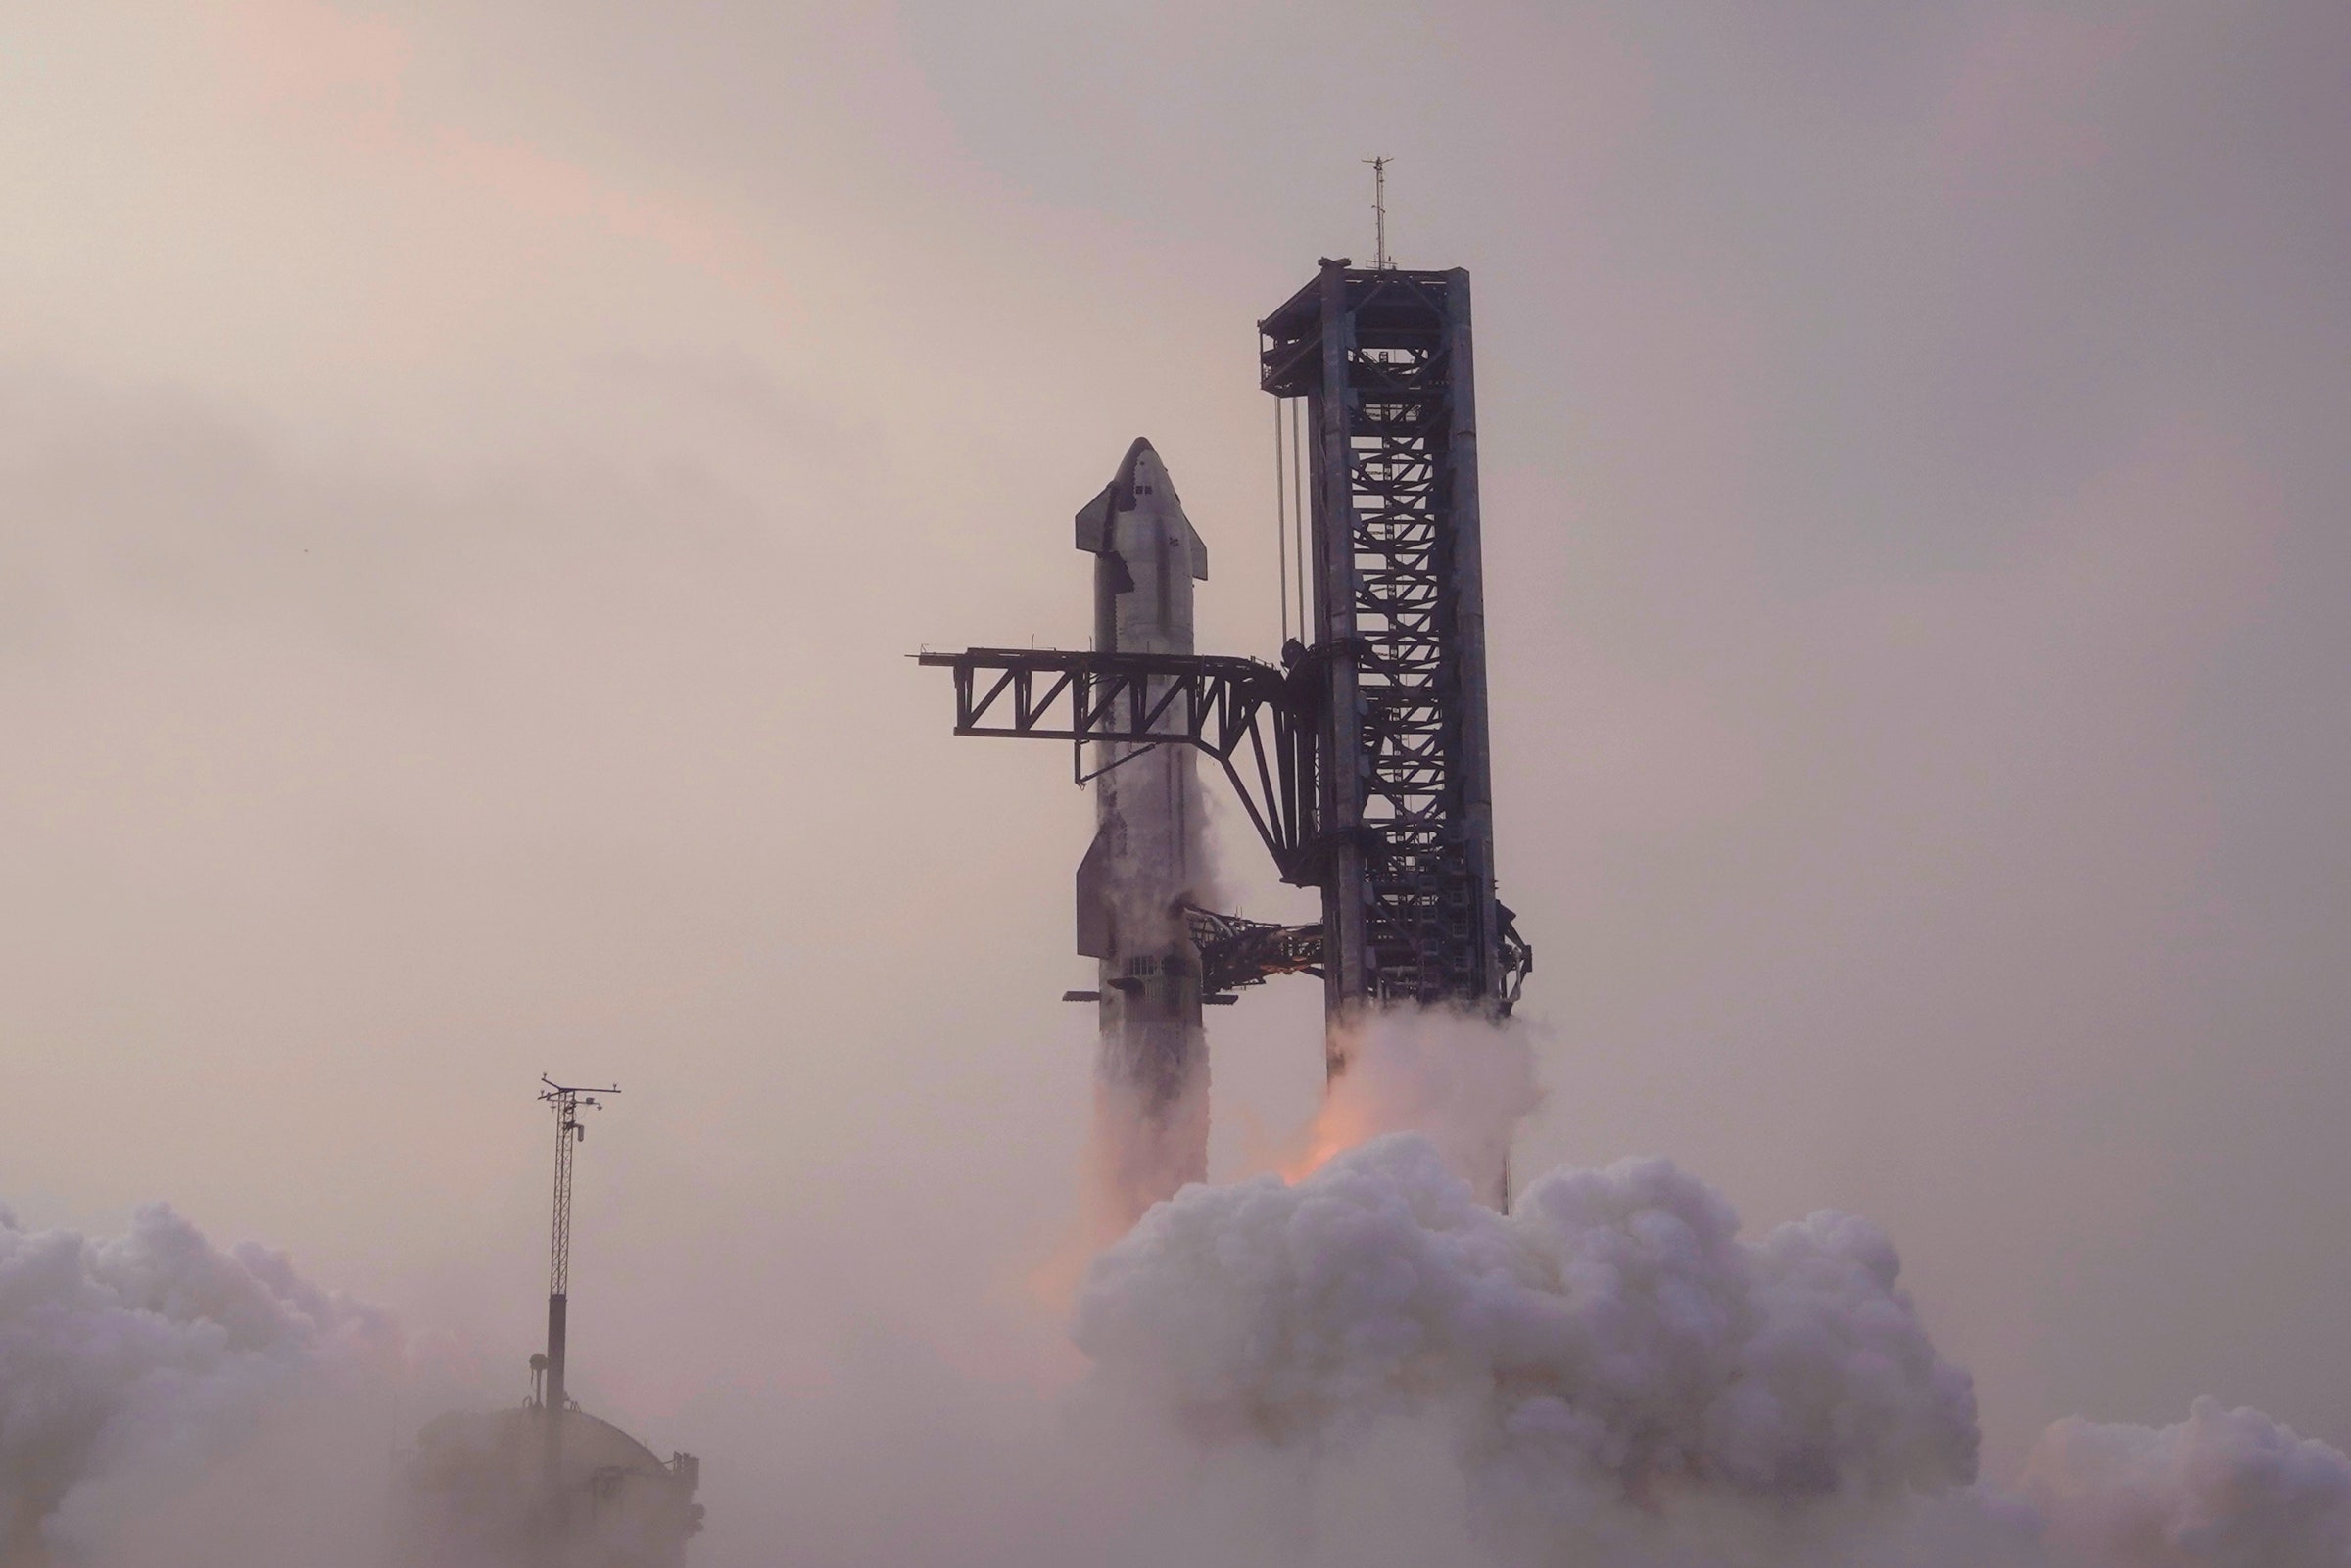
(1612,1374)
(1609,1347)
(134,1367)
(1365,1365)
(2223,1489)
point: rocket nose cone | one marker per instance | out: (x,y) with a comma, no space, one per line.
(1145,473)
(1140,473)
(1140,467)
(1144,483)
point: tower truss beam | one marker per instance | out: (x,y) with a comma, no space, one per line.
(1254,721)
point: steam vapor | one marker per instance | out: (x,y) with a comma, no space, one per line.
(1609,1348)
(1617,1378)
(132,1365)
(1365,1365)
(1613,1329)
(2225,1488)
(1457,1078)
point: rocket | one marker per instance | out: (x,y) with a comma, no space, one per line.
(1148,859)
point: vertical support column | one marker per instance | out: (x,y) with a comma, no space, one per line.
(1403,823)
(558,1306)
(558,1251)
(558,1311)
(1466,585)
(1347,951)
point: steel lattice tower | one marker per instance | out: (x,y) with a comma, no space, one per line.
(1402,759)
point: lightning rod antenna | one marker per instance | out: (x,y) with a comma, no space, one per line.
(1379,210)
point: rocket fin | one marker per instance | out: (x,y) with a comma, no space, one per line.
(1094,899)
(1197,548)
(1094,520)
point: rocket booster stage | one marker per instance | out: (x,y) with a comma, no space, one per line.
(1148,858)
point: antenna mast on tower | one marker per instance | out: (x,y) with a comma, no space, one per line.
(1379,211)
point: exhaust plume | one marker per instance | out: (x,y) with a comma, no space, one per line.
(1462,1081)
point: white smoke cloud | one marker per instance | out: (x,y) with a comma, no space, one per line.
(131,1365)
(2223,1489)
(1610,1342)
(1368,1366)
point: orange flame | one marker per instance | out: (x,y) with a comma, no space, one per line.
(1341,1124)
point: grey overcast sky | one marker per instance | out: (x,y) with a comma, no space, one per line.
(469,475)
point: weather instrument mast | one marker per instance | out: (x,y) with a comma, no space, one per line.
(568,1102)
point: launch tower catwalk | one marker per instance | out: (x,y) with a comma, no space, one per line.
(1363,761)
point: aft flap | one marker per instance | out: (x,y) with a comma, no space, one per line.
(1094,899)
(1094,520)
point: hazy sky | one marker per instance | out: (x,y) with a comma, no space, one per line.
(469,475)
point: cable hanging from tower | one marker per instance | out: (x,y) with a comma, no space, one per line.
(1281,523)
(1298,514)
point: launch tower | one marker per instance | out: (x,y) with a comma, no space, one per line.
(1404,814)
(1364,759)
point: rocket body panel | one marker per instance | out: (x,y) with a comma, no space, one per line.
(1148,858)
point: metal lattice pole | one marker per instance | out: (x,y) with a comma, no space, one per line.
(559,1267)
(568,1102)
